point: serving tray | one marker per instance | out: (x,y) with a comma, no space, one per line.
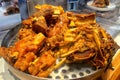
(74,71)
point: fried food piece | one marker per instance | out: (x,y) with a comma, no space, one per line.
(27,23)
(82,18)
(30,44)
(27,44)
(46,10)
(60,27)
(42,63)
(25,33)
(45,17)
(40,25)
(51,68)
(23,62)
(85,41)
(5,53)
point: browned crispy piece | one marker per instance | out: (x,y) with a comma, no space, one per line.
(51,68)
(5,53)
(47,10)
(60,27)
(42,63)
(82,18)
(40,25)
(23,62)
(25,33)
(79,56)
(44,10)
(22,47)
(31,44)
(27,22)
(45,17)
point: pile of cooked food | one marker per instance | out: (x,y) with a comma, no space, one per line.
(51,34)
(101,3)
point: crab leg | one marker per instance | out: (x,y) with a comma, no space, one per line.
(103,33)
(52,68)
(97,40)
(69,52)
(60,63)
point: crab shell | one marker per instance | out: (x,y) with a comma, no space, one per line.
(98,48)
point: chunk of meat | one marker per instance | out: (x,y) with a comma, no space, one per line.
(23,62)
(31,44)
(40,25)
(26,33)
(42,63)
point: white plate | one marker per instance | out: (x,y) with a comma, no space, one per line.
(110,7)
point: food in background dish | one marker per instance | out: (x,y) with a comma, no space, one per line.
(51,34)
(100,3)
(11,10)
